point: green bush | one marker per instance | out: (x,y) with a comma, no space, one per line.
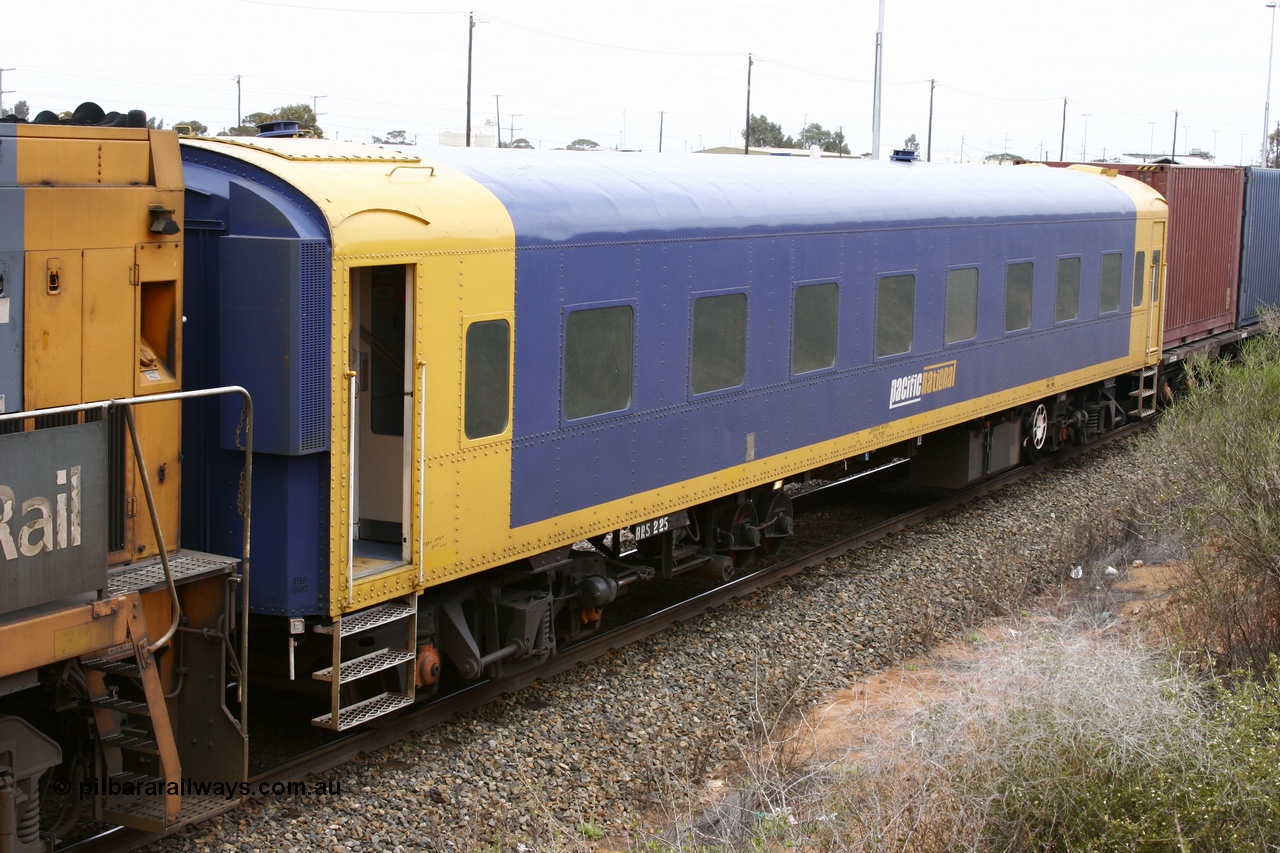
(1220,446)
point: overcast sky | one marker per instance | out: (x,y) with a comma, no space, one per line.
(613,72)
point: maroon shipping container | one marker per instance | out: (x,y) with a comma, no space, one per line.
(1206,209)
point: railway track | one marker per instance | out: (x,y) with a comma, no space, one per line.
(317,761)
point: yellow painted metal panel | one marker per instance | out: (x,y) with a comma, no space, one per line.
(58,634)
(84,162)
(108,311)
(53,316)
(160,429)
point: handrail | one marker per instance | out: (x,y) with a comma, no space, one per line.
(244,499)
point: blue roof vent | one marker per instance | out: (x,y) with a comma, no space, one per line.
(281,128)
(903,155)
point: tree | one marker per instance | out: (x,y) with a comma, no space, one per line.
(1273,149)
(198,128)
(397,137)
(830,141)
(762,133)
(20,110)
(301,113)
(154,123)
(521,143)
(583,145)
(911,143)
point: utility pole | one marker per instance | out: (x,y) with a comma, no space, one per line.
(875,101)
(928,151)
(3,90)
(239,115)
(511,136)
(746,136)
(1173,152)
(661,120)
(1062,146)
(497,109)
(471,30)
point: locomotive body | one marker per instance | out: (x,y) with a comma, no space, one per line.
(102,613)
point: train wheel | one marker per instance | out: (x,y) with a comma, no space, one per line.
(1035,429)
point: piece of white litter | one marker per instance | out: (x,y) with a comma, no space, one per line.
(1077,572)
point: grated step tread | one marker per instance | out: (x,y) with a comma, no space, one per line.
(124,706)
(133,743)
(368,664)
(126,666)
(363,712)
(365,620)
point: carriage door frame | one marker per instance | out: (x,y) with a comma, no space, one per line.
(1155,288)
(381,407)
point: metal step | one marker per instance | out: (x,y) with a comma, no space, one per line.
(1143,392)
(365,620)
(124,706)
(369,709)
(368,664)
(147,813)
(133,743)
(127,667)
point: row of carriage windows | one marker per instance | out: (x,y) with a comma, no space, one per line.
(599,343)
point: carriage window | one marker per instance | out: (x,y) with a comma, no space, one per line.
(1109,286)
(598,358)
(1139,276)
(962,305)
(487,378)
(813,327)
(895,314)
(1067,305)
(1018,279)
(719,358)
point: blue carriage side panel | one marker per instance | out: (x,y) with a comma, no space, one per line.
(623,231)
(258,312)
(12,265)
(1260,255)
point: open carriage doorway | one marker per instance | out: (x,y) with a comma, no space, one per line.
(382,318)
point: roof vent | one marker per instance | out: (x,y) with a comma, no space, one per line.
(280,128)
(903,155)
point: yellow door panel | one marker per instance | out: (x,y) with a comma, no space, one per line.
(108,322)
(53,329)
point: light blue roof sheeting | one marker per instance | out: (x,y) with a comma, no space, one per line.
(579,197)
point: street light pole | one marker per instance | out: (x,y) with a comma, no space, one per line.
(1266,109)
(1084,145)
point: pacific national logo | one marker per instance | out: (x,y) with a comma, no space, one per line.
(910,389)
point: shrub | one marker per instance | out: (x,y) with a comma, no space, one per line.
(1220,445)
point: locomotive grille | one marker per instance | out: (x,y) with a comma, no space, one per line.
(313,376)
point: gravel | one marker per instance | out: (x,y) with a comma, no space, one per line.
(619,747)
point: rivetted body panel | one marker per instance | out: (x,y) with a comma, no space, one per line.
(653,233)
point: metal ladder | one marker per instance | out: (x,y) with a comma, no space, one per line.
(346,674)
(1145,394)
(141,777)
